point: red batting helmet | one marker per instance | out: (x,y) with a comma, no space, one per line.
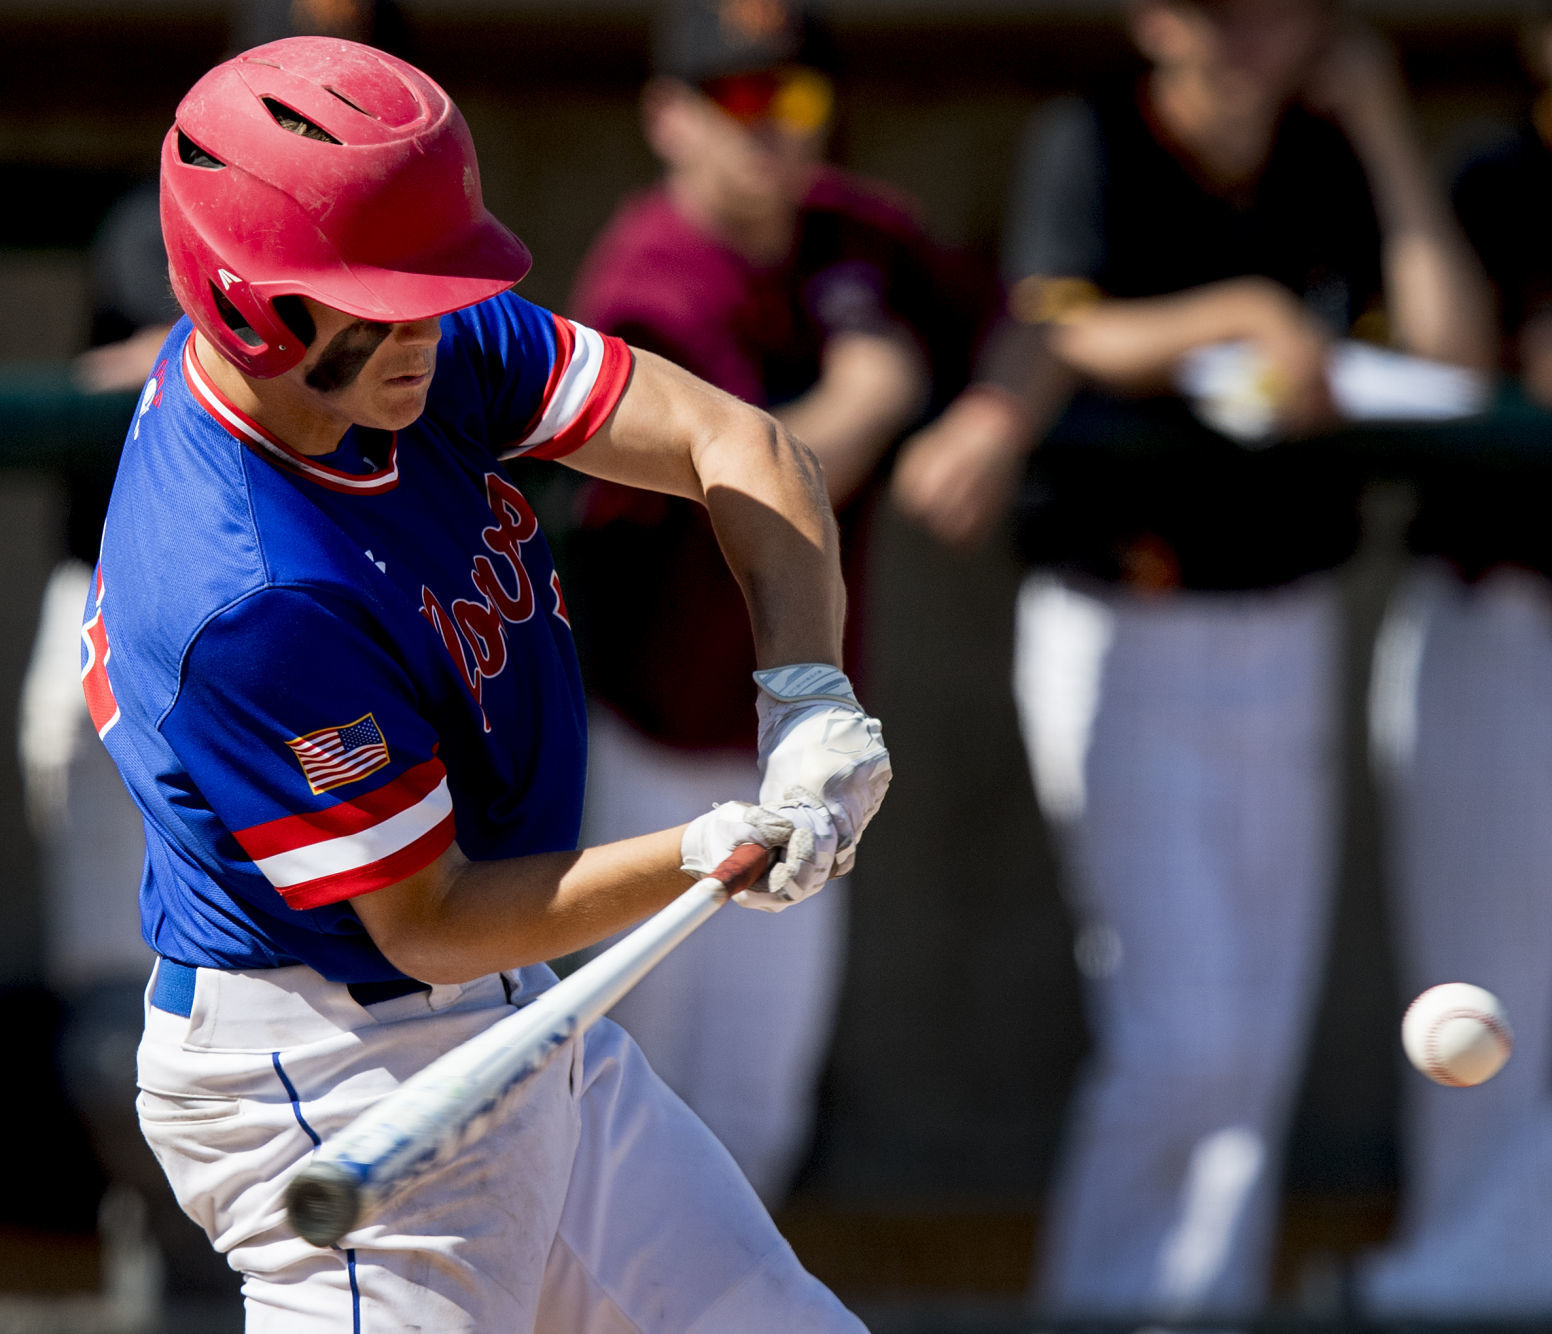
(319,167)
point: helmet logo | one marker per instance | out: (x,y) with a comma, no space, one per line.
(227,279)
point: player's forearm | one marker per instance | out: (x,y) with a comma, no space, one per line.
(1029,384)
(1376,115)
(1439,304)
(784,554)
(1533,352)
(1129,344)
(460,919)
(1437,298)
(765,493)
(764,490)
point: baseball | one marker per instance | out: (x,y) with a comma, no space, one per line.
(1457,1034)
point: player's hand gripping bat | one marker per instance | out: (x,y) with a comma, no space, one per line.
(435,1112)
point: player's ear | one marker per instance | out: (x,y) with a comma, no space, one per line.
(670,119)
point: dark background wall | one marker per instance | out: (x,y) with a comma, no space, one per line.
(962,1026)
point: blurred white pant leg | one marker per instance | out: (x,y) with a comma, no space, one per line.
(648,1171)
(88,829)
(91,844)
(1461,713)
(738,1019)
(1184,748)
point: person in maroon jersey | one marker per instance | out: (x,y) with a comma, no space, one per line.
(817,295)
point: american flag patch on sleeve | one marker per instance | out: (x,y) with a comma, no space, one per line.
(334,756)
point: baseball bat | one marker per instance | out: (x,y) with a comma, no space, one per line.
(442,1108)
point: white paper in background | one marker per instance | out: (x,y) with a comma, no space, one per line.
(1230,390)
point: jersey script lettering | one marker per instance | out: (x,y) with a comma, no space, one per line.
(473,630)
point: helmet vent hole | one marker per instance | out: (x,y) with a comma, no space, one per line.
(293,314)
(194,155)
(355,106)
(234,319)
(288,119)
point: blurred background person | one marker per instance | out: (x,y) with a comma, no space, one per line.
(88,831)
(380,23)
(1178,639)
(817,295)
(1461,714)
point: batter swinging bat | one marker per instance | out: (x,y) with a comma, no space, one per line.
(436,1112)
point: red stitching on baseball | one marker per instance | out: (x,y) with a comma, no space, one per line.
(1488,1021)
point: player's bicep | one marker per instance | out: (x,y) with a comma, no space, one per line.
(650,438)
(301,733)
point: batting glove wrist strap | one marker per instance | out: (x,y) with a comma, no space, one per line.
(804,681)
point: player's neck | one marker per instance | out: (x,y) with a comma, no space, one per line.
(277,405)
(1227,144)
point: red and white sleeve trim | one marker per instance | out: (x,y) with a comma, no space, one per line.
(590,373)
(357,846)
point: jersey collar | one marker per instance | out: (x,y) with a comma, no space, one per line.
(243,428)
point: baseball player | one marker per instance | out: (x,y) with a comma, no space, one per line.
(816,294)
(328,650)
(1462,723)
(1177,641)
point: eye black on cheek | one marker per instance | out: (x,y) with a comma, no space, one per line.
(347,352)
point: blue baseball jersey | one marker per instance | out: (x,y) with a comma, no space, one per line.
(315,673)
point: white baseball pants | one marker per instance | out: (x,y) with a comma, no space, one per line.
(738,1019)
(596,1204)
(1184,748)
(1461,714)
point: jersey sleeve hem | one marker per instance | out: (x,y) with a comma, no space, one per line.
(357,846)
(590,373)
(387,871)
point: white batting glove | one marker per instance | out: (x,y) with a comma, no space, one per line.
(815,736)
(799,827)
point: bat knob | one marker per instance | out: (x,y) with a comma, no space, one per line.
(322,1203)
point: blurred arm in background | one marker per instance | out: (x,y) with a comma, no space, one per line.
(955,476)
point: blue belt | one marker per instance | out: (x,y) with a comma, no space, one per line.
(174,990)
